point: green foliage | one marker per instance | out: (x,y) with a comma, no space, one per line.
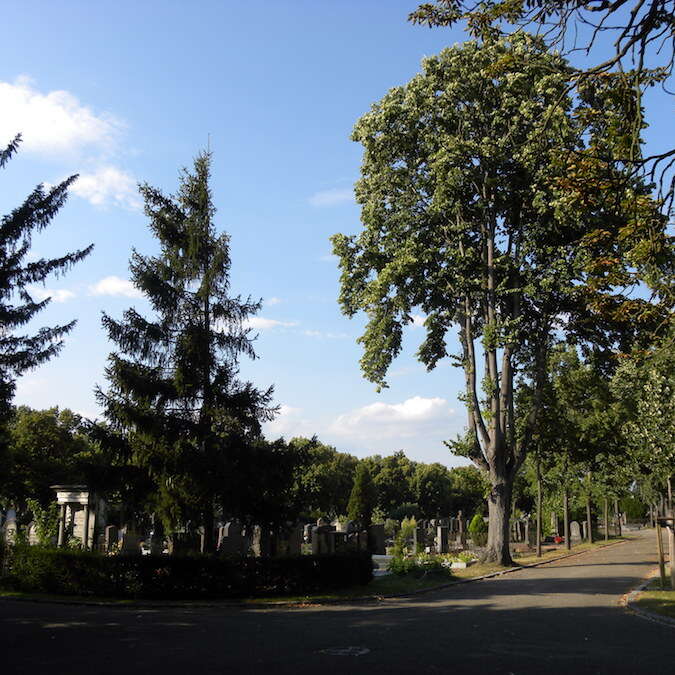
(174,393)
(403,542)
(46,520)
(418,565)
(22,352)
(470,488)
(433,489)
(393,476)
(325,479)
(40,570)
(391,527)
(406,511)
(644,384)
(363,497)
(46,447)
(478,530)
(476,214)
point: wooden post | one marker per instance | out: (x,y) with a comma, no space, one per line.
(538,511)
(659,546)
(606,505)
(566,518)
(589,522)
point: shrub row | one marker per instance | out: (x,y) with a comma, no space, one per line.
(45,570)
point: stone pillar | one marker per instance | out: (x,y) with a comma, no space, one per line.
(62,527)
(85,534)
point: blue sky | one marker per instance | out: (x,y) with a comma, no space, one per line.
(131,91)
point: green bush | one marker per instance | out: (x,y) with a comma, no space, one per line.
(405,511)
(418,565)
(43,570)
(478,530)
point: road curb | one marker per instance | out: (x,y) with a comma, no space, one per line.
(136,605)
(629,602)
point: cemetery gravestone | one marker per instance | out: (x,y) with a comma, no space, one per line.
(111,537)
(441,539)
(131,543)
(33,538)
(377,539)
(575,531)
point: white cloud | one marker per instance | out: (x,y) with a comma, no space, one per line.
(332,197)
(418,321)
(108,185)
(324,334)
(54,122)
(273,301)
(113,285)
(260,323)
(413,417)
(329,257)
(56,294)
(289,423)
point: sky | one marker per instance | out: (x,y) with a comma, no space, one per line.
(130,92)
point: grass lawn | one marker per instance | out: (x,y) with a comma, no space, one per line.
(655,600)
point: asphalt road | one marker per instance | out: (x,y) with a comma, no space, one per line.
(562,617)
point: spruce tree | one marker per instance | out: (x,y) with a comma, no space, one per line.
(20,352)
(174,389)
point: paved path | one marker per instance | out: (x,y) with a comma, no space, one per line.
(559,618)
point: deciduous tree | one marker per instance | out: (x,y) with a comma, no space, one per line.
(468,217)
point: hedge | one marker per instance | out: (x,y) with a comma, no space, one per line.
(49,570)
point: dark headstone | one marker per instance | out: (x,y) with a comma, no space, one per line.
(441,539)
(377,539)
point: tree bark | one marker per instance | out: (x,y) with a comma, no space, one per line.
(499,508)
(606,505)
(659,549)
(566,518)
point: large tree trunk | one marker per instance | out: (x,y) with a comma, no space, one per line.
(499,509)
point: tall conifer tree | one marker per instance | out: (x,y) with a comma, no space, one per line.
(21,352)
(173,381)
